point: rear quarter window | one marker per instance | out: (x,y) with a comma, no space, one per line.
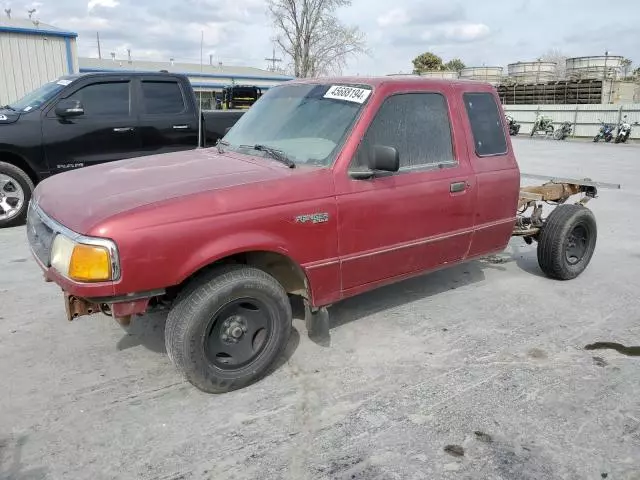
(486,124)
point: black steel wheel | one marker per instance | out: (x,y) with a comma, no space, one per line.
(567,241)
(226,329)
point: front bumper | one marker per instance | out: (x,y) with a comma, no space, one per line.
(79,298)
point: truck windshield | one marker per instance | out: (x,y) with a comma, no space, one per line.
(306,122)
(41,95)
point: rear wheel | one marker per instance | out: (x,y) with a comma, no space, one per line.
(567,242)
(227,329)
(15,192)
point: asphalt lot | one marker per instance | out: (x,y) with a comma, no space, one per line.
(490,347)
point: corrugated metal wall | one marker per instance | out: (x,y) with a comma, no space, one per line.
(28,61)
(584,118)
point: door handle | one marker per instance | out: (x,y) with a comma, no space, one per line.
(457,187)
(180,127)
(123,129)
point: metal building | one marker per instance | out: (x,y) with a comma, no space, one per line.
(31,54)
(208,79)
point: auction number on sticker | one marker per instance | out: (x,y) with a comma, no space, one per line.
(350,94)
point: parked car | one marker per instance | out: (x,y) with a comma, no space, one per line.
(81,120)
(314,192)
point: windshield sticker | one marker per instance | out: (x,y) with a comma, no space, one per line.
(350,94)
(64,83)
(26,109)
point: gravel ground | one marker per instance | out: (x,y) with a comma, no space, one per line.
(479,371)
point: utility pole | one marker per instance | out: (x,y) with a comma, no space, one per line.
(273,60)
(211,59)
(99,51)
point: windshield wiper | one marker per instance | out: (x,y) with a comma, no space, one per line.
(274,153)
(9,107)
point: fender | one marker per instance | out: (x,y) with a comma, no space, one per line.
(234,244)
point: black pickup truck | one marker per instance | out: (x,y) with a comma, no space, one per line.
(82,120)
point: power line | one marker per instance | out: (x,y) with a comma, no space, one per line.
(273,60)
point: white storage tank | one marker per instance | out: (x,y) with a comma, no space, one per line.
(491,75)
(32,54)
(598,67)
(532,72)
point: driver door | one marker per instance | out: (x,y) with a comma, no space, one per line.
(107,131)
(419,218)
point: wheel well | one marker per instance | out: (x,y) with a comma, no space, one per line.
(19,162)
(287,272)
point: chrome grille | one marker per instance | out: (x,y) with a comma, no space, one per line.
(40,235)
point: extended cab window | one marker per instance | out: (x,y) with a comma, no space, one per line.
(486,124)
(417,125)
(162,98)
(110,98)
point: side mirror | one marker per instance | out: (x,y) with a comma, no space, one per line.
(384,159)
(69,108)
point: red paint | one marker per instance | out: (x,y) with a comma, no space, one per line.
(174,214)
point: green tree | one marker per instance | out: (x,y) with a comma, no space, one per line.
(427,61)
(455,65)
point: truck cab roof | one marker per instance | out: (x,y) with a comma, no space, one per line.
(400,81)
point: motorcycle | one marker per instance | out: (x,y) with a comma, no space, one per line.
(564,131)
(514,127)
(624,131)
(605,132)
(544,124)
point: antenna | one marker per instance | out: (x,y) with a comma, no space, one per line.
(8,12)
(200,109)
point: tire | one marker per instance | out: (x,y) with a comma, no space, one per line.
(16,189)
(617,140)
(567,225)
(596,139)
(608,138)
(533,131)
(197,323)
(559,135)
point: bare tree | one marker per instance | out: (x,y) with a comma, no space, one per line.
(312,36)
(556,56)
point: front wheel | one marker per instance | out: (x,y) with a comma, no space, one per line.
(16,189)
(596,139)
(226,331)
(567,241)
(617,140)
(559,135)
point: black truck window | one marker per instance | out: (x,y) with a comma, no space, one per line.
(162,98)
(417,125)
(486,124)
(111,98)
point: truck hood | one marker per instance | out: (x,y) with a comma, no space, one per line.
(80,198)
(8,116)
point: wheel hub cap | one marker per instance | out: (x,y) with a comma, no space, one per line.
(11,197)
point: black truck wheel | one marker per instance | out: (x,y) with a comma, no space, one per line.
(567,241)
(227,329)
(15,192)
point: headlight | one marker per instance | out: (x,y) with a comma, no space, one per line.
(84,261)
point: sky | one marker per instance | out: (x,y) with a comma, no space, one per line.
(239,32)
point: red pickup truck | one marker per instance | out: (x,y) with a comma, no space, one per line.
(324,189)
